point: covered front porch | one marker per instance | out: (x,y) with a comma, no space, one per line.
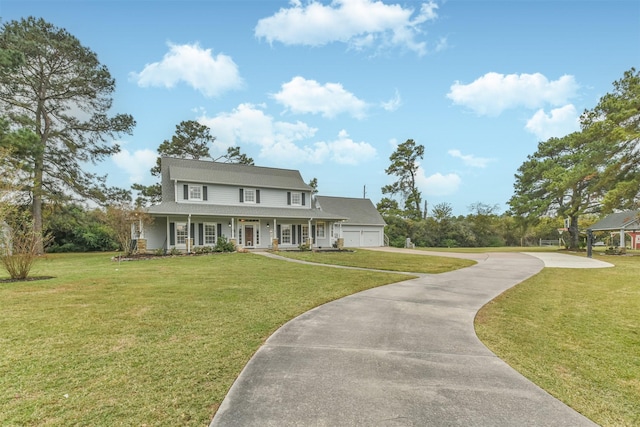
(189,232)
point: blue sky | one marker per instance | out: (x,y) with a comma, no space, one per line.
(330,88)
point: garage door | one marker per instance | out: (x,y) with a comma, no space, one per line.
(351,239)
(371,239)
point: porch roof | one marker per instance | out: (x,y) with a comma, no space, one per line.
(173,208)
(628,220)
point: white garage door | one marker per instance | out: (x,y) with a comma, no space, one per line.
(351,239)
(371,239)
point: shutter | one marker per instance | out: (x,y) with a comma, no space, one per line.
(192,233)
(288,197)
(241,195)
(313,232)
(185,191)
(278,234)
(303,199)
(293,234)
(201,233)
(204,192)
(219,232)
(300,234)
(172,233)
(257,196)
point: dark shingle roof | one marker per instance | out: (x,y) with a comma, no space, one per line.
(359,211)
(173,208)
(233,174)
(629,220)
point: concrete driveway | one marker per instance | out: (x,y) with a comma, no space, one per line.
(404,354)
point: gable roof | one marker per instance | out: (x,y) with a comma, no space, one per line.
(358,211)
(233,174)
(629,220)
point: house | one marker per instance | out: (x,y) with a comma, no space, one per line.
(627,222)
(255,207)
(364,226)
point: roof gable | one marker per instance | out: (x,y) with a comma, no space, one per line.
(359,211)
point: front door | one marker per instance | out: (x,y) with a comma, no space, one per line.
(249,238)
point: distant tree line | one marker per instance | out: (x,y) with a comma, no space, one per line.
(578,177)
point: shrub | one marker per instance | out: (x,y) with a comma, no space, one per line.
(223,245)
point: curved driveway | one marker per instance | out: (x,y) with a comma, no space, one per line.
(404,354)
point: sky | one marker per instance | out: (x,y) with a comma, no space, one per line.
(330,88)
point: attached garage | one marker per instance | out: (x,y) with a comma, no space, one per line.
(364,226)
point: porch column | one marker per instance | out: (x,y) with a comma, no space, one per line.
(189,234)
(309,235)
(622,238)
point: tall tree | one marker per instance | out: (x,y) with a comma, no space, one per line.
(561,179)
(62,94)
(192,140)
(404,165)
(615,125)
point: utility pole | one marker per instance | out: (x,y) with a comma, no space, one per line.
(364,192)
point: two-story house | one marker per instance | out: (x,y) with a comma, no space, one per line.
(251,205)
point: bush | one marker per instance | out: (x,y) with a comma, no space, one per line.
(223,245)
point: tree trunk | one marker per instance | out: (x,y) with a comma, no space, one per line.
(574,234)
(36,209)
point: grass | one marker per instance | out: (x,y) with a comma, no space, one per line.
(363,258)
(155,342)
(575,333)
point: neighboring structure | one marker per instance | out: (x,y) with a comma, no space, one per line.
(364,226)
(255,207)
(627,222)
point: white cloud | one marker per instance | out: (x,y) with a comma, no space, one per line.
(560,122)
(393,104)
(283,142)
(437,184)
(193,65)
(136,164)
(470,159)
(301,96)
(493,93)
(359,23)
(346,151)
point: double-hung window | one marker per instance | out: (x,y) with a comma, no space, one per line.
(195,192)
(286,234)
(249,195)
(181,233)
(209,234)
(320,230)
(296,199)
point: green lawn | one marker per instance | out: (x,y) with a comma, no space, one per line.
(155,342)
(382,260)
(575,333)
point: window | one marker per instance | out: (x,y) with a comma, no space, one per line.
(249,195)
(296,199)
(320,230)
(209,234)
(286,234)
(195,192)
(305,233)
(181,233)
